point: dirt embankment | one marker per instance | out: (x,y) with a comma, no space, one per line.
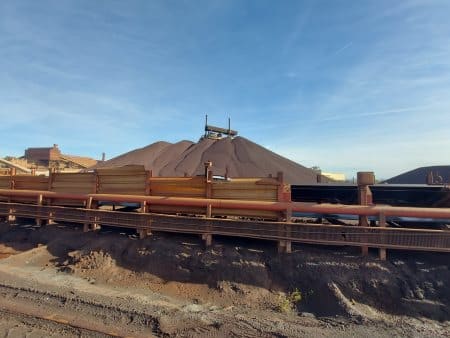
(251,278)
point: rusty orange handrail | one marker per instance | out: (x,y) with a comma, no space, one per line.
(361,210)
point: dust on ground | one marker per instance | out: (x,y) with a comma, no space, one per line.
(235,287)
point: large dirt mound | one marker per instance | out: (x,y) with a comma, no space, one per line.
(419,175)
(239,156)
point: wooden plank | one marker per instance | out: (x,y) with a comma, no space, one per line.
(141,179)
(34,186)
(119,172)
(127,173)
(178,190)
(122,187)
(183,184)
(123,184)
(60,184)
(131,167)
(177,183)
(253,180)
(177,179)
(195,195)
(221,186)
(246,195)
(31,179)
(5,182)
(77,177)
(104,187)
(75,190)
(37,186)
(123,192)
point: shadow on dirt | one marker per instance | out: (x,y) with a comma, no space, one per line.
(332,281)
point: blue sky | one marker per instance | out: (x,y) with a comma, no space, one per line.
(345,85)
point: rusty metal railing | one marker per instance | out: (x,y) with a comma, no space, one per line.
(379,237)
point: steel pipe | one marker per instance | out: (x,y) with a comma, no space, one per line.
(44,193)
(373,210)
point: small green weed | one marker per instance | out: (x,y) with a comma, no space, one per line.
(288,302)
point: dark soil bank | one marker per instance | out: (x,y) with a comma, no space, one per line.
(331,281)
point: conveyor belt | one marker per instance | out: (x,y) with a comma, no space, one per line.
(413,195)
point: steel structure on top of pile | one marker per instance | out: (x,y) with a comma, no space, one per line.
(217,132)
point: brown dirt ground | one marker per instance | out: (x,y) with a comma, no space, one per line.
(235,286)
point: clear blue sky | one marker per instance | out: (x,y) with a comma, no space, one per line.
(346,85)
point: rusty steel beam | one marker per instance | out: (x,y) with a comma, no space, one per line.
(45,194)
(374,210)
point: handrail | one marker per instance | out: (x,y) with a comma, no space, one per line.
(361,210)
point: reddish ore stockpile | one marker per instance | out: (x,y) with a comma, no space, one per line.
(237,156)
(439,174)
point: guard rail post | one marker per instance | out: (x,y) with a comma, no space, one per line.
(143,230)
(382,224)
(39,203)
(364,180)
(283,195)
(11,218)
(207,236)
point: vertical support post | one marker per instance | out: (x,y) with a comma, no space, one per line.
(280,189)
(11,218)
(95,225)
(288,247)
(284,246)
(143,208)
(50,218)
(86,225)
(144,231)
(96,184)
(364,180)
(208,239)
(382,224)
(208,211)
(91,204)
(149,186)
(208,178)
(40,199)
(51,179)
(207,236)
